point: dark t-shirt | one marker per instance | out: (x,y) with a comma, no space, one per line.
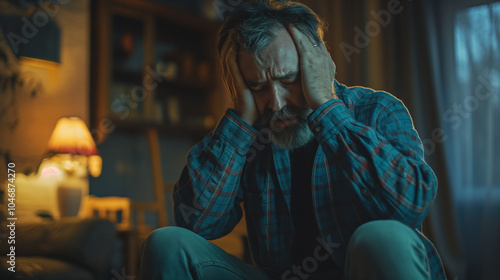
(306,228)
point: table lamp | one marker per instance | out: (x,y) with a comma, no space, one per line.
(72,147)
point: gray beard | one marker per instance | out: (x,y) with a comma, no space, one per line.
(292,137)
(288,138)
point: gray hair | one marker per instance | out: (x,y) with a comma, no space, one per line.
(251,26)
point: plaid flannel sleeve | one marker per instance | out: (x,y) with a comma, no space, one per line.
(382,165)
(207,195)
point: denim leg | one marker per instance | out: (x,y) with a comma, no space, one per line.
(176,253)
(386,249)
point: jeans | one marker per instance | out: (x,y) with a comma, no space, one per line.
(383,249)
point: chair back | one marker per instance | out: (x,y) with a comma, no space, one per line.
(113,208)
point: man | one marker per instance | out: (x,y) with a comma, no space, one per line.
(333,179)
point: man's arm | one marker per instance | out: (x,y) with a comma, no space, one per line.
(382,165)
(208,194)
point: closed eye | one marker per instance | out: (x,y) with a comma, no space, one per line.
(290,82)
(258,89)
(290,79)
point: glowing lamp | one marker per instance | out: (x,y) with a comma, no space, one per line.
(72,138)
(72,147)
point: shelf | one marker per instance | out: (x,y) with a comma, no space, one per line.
(132,38)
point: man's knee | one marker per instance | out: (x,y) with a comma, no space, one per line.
(383,236)
(169,241)
(166,236)
(386,249)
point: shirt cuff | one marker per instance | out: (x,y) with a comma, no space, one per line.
(329,119)
(236,131)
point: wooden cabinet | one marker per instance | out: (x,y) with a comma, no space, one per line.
(152,66)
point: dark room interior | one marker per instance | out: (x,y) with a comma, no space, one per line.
(102,100)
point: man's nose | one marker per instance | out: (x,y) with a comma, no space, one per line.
(278,98)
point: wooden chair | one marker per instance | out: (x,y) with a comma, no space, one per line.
(110,208)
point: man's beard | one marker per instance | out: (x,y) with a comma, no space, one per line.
(288,137)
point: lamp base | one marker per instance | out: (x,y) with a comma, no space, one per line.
(69,198)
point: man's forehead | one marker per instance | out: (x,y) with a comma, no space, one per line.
(279,57)
(280,44)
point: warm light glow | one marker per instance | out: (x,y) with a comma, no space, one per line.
(39,63)
(95,165)
(50,170)
(71,136)
(47,71)
(73,146)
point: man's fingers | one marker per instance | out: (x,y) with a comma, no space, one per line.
(297,37)
(302,41)
(235,70)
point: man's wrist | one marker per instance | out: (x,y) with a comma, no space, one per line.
(248,118)
(322,101)
(236,131)
(328,119)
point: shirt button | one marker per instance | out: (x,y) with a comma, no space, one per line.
(318,128)
(365,192)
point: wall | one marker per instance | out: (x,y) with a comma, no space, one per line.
(62,90)
(65,89)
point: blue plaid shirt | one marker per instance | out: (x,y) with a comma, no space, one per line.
(369,166)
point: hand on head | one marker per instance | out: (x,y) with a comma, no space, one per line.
(317,72)
(241,96)
(316,67)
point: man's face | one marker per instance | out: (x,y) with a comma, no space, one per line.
(273,76)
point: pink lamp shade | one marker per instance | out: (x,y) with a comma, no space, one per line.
(71,136)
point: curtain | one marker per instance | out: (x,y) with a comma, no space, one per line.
(469,104)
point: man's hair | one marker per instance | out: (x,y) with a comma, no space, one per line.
(251,26)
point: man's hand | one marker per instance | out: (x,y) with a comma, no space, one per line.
(243,100)
(316,67)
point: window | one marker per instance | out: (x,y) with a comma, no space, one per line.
(472,117)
